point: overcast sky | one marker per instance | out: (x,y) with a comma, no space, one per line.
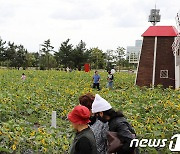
(106,24)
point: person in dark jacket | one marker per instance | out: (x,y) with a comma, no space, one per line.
(84,141)
(117,123)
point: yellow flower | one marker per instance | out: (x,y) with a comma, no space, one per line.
(147,121)
(10,137)
(41,131)
(44,149)
(33,133)
(42,141)
(14,147)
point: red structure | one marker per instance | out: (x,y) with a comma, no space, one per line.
(86,67)
(157,62)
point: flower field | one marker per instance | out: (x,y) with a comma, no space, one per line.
(26,108)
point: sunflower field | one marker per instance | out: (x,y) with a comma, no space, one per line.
(26,108)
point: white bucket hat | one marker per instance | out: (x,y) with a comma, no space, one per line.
(100,104)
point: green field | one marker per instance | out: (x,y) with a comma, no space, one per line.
(26,107)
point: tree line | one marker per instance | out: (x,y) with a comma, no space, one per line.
(68,55)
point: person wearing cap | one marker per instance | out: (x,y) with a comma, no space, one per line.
(84,141)
(99,128)
(117,123)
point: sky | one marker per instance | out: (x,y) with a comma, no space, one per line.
(106,24)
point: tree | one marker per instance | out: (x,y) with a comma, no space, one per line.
(97,58)
(80,55)
(2,50)
(32,59)
(15,56)
(46,49)
(120,52)
(109,59)
(21,60)
(10,55)
(64,54)
(36,59)
(52,62)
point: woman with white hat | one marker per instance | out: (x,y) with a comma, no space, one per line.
(117,123)
(99,128)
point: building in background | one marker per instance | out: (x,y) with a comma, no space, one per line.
(133,52)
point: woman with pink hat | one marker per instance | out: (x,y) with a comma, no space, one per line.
(84,141)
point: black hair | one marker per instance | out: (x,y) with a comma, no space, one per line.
(112,113)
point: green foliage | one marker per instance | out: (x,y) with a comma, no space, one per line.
(120,53)
(80,55)
(32,59)
(64,55)
(46,49)
(26,107)
(21,60)
(12,55)
(2,49)
(97,58)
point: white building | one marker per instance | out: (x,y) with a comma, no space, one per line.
(134,51)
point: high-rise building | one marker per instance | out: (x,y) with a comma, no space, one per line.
(134,51)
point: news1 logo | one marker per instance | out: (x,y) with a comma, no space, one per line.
(176,145)
(173,146)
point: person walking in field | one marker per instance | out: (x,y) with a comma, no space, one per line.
(99,128)
(110,79)
(117,123)
(96,80)
(84,141)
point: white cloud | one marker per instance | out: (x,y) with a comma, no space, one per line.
(77,12)
(106,24)
(6,12)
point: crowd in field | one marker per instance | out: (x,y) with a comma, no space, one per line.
(99,128)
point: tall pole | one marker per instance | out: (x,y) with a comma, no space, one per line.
(154,62)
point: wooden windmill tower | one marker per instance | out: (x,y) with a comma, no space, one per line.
(157,61)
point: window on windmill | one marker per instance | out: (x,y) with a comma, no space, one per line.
(164,74)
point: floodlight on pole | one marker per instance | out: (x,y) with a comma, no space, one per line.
(154,17)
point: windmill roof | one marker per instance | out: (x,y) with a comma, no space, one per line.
(161,31)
